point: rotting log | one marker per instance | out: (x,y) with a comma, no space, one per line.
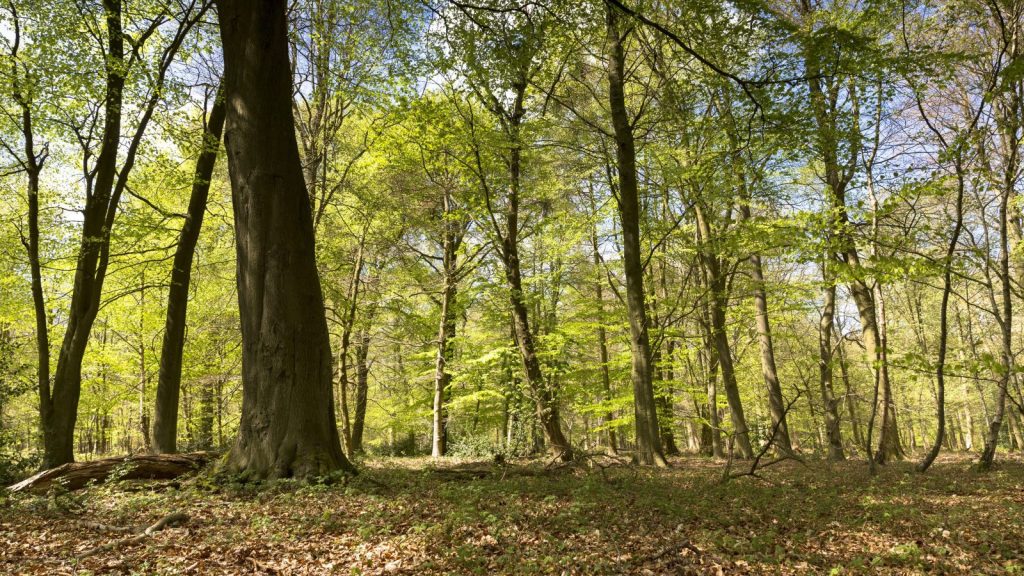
(75,475)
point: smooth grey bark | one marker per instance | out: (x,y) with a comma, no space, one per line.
(287,426)
(769,370)
(648,440)
(442,377)
(165,415)
(838,174)
(828,396)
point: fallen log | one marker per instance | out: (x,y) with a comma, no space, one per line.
(77,475)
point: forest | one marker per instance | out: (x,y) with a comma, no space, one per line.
(511,286)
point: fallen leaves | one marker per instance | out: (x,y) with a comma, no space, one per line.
(621,521)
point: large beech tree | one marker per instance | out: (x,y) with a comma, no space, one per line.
(288,427)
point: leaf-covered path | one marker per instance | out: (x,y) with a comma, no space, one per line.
(407,517)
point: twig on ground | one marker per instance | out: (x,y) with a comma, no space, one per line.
(172,519)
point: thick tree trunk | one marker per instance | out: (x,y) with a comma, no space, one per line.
(76,475)
(165,421)
(287,426)
(648,439)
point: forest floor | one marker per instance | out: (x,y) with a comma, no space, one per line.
(409,516)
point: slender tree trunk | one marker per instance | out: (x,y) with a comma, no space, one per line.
(665,402)
(105,184)
(33,164)
(1006,332)
(947,288)
(287,426)
(348,322)
(453,232)
(849,395)
(715,425)
(207,407)
(889,447)
(362,352)
(611,446)
(442,378)
(828,397)
(769,371)
(648,439)
(544,396)
(165,421)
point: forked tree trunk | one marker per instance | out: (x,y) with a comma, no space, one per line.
(165,416)
(105,183)
(287,427)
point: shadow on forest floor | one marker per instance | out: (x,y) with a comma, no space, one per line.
(412,516)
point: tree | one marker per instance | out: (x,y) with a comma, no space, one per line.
(165,421)
(501,81)
(288,428)
(648,436)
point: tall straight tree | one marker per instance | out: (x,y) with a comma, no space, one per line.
(648,438)
(168,388)
(288,427)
